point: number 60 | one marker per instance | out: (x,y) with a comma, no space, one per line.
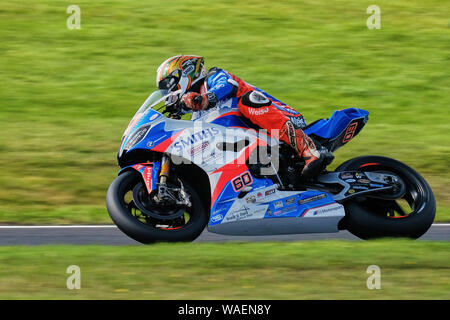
(241,181)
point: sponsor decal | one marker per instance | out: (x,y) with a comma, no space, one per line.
(278,204)
(137,136)
(221,211)
(259,194)
(238,215)
(196,137)
(217,217)
(269,213)
(251,199)
(325,210)
(269,192)
(351,191)
(299,122)
(150,144)
(359,175)
(360,187)
(346,176)
(290,201)
(199,148)
(333,209)
(288,209)
(291,134)
(376,185)
(246,213)
(313,198)
(188,68)
(153,117)
(284,107)
(350,180)
(364,181)
(209,157)
(138,167)
(147,175)
(350,132)
(258,112)
(285,210)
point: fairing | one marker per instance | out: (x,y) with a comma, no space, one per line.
(230,212)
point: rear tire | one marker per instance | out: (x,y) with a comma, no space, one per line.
(364,216)
(124,219)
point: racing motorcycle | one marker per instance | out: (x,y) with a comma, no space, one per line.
(220,172)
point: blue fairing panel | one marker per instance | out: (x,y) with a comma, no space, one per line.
(332,127)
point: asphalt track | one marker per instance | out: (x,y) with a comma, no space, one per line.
(110,235)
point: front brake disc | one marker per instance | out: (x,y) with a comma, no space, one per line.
(144,203)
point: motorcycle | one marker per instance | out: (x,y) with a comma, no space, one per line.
(221,172)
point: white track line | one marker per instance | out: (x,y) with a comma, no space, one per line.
(113,226)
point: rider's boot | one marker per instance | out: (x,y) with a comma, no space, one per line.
(306,148)
(314,159)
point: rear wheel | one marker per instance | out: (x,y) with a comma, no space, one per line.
(409,216)
(144,220)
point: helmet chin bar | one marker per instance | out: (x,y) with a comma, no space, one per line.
(183,84)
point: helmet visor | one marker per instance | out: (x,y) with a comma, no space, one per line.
(169,82)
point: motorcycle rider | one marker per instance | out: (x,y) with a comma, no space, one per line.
(201,90)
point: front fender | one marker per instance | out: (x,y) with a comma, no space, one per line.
(149,172)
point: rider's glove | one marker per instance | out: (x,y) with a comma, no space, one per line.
(196,101)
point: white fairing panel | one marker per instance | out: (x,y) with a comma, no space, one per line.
(264,209)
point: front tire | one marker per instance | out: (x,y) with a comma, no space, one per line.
(369,218)
(123,213)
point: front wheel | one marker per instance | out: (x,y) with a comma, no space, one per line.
(410,216)
(135,214)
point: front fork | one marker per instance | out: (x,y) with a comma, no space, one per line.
(165,170)
(170,194)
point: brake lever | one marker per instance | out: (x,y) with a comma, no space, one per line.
(173,113)
(176,110)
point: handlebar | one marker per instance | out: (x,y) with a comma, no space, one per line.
(175,110)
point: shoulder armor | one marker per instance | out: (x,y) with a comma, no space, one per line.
(212,71)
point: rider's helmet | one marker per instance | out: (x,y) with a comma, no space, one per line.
(180,73)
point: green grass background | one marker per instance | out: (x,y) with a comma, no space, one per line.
(67,95)
(303,270)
